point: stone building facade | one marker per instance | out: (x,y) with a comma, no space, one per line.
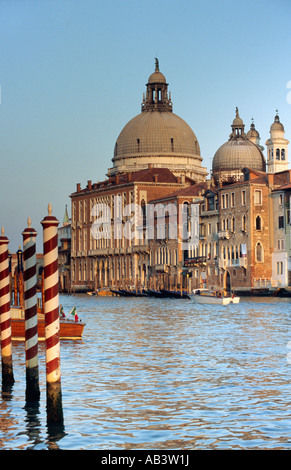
(241,239)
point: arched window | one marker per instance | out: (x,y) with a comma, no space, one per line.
(259,253)
(244,223)
(277,154)
(258,223)
(282,154)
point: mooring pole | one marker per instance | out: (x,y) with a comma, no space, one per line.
(5,315)
(30,308)
(52,318)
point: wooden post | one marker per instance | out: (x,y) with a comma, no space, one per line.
(5,315)
(52,318)
(30,308)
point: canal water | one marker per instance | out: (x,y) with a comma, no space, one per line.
(162,374)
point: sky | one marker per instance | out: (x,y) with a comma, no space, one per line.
(73,73)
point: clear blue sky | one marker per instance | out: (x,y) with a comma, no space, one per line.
(72,74)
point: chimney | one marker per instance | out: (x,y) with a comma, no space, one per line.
(150,166)
(89,186)
(117,179)
(155,178)
(78,187)
(271,180)
(128,176)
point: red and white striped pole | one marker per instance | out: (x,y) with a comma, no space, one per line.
(5,316)
(52,318)
(30,308)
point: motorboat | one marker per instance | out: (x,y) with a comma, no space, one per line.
(205,296)
(69,328)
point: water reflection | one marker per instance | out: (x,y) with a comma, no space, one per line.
(154,374)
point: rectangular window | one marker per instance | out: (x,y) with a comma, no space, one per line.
(280,267)
(232,199)
(223,201)
(211,203)
(281,221)
(280,244)
(258,197)
(243,198)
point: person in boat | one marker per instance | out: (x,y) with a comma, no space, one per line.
(62,314)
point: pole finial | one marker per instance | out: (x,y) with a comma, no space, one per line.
(29,222)
(49,209)
(2,231)
(157,68)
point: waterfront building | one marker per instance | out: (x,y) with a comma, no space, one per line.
(64,254)
(155,154)
(243,236)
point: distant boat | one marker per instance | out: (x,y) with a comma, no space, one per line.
(155,293)
(133,293)
(205,296)
(175,294)
(69,329)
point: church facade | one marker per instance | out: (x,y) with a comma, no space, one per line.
(156,219)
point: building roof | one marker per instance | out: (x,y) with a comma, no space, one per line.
(194,190)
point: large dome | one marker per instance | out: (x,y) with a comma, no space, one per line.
(237,153)
(156,134)
(158,137)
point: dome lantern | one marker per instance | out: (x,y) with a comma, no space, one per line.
(157,98)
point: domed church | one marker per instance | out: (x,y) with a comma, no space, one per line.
(158,137)
(157,161)
(240,151)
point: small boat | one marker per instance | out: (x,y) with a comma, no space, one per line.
(91,293)
(155,293)
(118,292)
(205,296)
(69,329)
(133,293)
(175,294)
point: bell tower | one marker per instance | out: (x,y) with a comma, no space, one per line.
(277,147)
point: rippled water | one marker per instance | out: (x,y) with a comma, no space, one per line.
(162,374)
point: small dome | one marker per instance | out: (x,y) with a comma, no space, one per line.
(238,152)
(157,77)
(277,125)
(235,155)
(252,132)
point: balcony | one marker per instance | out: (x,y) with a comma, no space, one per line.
(162,268)
(197,261)
(224,234)
(233,263)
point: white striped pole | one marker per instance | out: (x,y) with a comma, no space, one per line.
(5,316)
(52,318)
(30,306)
